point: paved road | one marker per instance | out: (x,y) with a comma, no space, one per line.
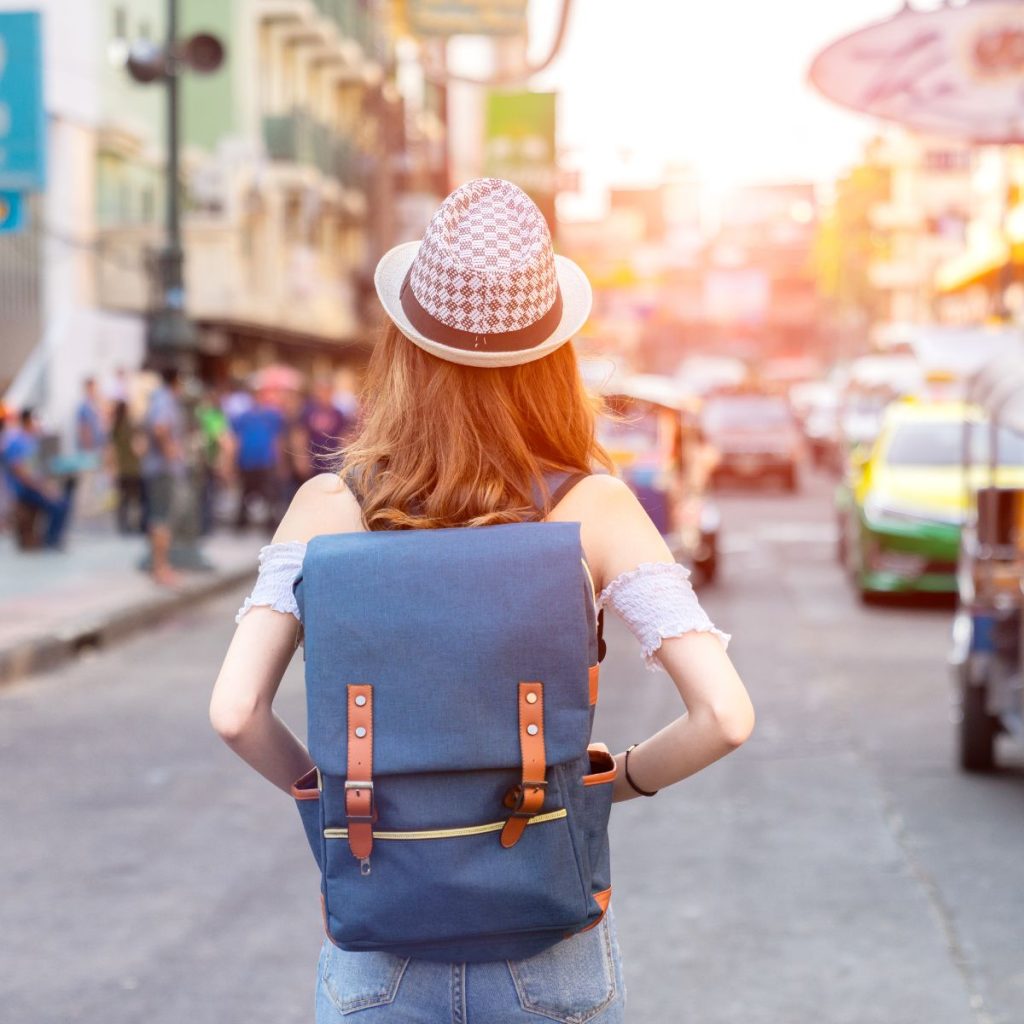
(836,870)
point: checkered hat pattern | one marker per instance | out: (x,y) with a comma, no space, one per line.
(486,264)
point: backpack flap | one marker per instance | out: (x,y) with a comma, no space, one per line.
(445,625)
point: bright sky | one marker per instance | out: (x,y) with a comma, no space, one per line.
(720,84)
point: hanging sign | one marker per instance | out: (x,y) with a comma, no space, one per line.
(519,144)
(12,212)
(22,121)
(953,71)
(466,17)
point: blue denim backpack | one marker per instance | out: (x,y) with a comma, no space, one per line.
(455,810)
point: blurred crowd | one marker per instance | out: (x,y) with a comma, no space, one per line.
(153,454)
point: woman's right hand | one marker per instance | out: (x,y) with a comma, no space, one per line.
(618,535)
(719,717)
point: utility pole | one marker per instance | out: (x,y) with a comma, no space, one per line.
(171,328)
(170,337)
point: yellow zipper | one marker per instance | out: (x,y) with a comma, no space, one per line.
(448,833)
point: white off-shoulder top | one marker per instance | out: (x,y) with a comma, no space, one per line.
(655,600)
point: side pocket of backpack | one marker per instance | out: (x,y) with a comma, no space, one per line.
(597,807)
(306,792)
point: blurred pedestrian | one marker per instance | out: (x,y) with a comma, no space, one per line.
(215,431)
(163,471)
(30,486)
(90,431)
(258,432)
(238,400)
(325,424)
(90,444)
(126,447)
(5,491)
(346,399)
(297,463)
(120,387)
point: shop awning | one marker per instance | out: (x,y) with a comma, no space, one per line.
(977,266)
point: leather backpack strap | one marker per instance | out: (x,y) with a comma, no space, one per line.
(527,798)
(561,490)
(360,808)
(570,481)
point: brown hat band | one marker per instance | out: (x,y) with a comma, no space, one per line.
(496,341)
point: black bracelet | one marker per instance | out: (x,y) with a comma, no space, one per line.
(642,792)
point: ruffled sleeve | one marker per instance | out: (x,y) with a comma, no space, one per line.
(656,600)
(279,565)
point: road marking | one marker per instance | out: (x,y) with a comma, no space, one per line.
(805,534)
(798,533)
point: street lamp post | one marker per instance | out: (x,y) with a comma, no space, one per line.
(170,336)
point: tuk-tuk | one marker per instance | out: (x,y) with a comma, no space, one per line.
(986,649)
(653,439)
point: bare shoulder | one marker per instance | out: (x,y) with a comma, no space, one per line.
(615,530)
(323,504)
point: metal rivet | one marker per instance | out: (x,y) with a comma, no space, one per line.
(360,732)
(532,729)
(360,700)
(531,698)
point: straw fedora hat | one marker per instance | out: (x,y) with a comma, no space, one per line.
(484,286)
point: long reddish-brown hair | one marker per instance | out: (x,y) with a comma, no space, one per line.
(441,444)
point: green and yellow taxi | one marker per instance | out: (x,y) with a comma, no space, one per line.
(904,499)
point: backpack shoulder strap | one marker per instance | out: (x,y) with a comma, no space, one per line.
(560,483)
(351,485)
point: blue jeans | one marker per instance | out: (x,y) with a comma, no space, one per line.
(576,981)
(55,510)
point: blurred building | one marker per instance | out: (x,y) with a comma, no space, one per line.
(290,165)
(496,125)
(922,223)
(54,333)
(674,276)
(312,150)
(760,287)
(984,281)
(898,216)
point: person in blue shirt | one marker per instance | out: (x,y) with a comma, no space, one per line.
(258,431)
(28,485)
(90,432)
(164,468)
(326,426)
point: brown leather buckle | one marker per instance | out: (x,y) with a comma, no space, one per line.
(372,816)
(517,794)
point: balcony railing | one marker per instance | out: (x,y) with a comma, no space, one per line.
(353,19)
(299,138)
(227,278)
(290,137)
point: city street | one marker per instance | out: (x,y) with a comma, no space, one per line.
(838,869)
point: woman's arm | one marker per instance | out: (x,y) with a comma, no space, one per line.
(718,719)
(241,708)
(719,715)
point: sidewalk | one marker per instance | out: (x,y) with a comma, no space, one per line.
(54,604)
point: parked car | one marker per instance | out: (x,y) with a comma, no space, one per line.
(903,502)
(860,414)
(755,434)
(816,405)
